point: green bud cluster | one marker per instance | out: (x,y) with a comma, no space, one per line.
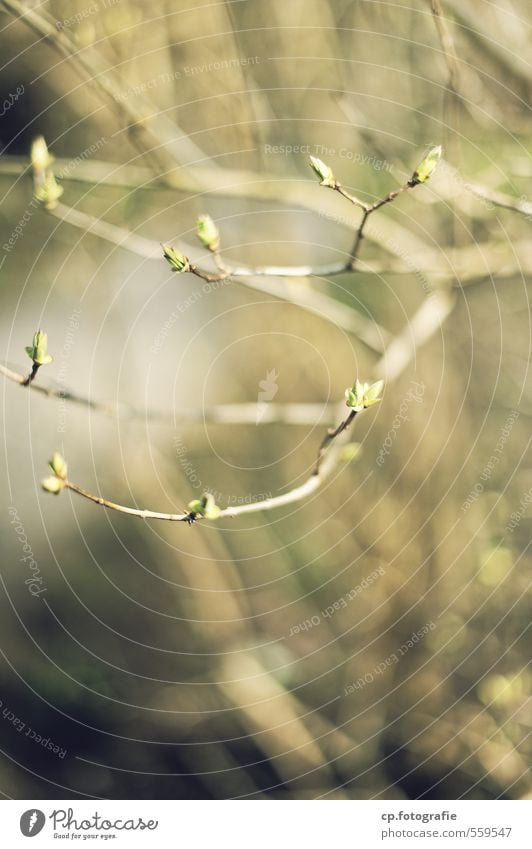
(38,350)
(205,506)
(56,482)
(178,262)
(363,395)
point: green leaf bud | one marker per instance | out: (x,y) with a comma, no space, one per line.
(59,466)
(38,351)
(53,485)
(207,232)
(177,261)
(426,167)
(323,171)
(363,395)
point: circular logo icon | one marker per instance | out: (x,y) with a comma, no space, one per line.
(32,822)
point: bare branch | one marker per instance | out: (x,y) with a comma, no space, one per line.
(369,332)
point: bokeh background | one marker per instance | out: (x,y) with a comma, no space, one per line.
(211,662)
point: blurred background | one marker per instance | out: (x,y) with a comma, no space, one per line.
(370,641)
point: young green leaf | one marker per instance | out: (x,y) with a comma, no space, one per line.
(205,506)
(58,466)
(38,350)
(207,232)
(177,261)
(323,171)
(426,167)
(53,485)
(363,395)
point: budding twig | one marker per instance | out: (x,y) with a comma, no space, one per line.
(318,303)
(359,397)
(327,179)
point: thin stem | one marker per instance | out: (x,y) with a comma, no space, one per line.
(26,381)
(325,463)
(354,200)
(219,261)
(358,239)
(330,436)
(318,303)
(210,278)
(368,210)
(120,508)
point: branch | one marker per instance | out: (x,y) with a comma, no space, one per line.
(447,43)
(425,323)
(360,397)
(145,136)
(318,303)
(297,494)
(422,173)
(505,201)
(290,414)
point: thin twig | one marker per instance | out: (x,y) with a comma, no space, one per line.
(368,210)
(131,511)
(321,470)
(369,332)
(330,436)
(27,381)
(427,321)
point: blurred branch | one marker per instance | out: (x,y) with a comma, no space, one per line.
(505,201)
(447,43)
(484,40)
(290,414)
(161,140)
(425,323)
